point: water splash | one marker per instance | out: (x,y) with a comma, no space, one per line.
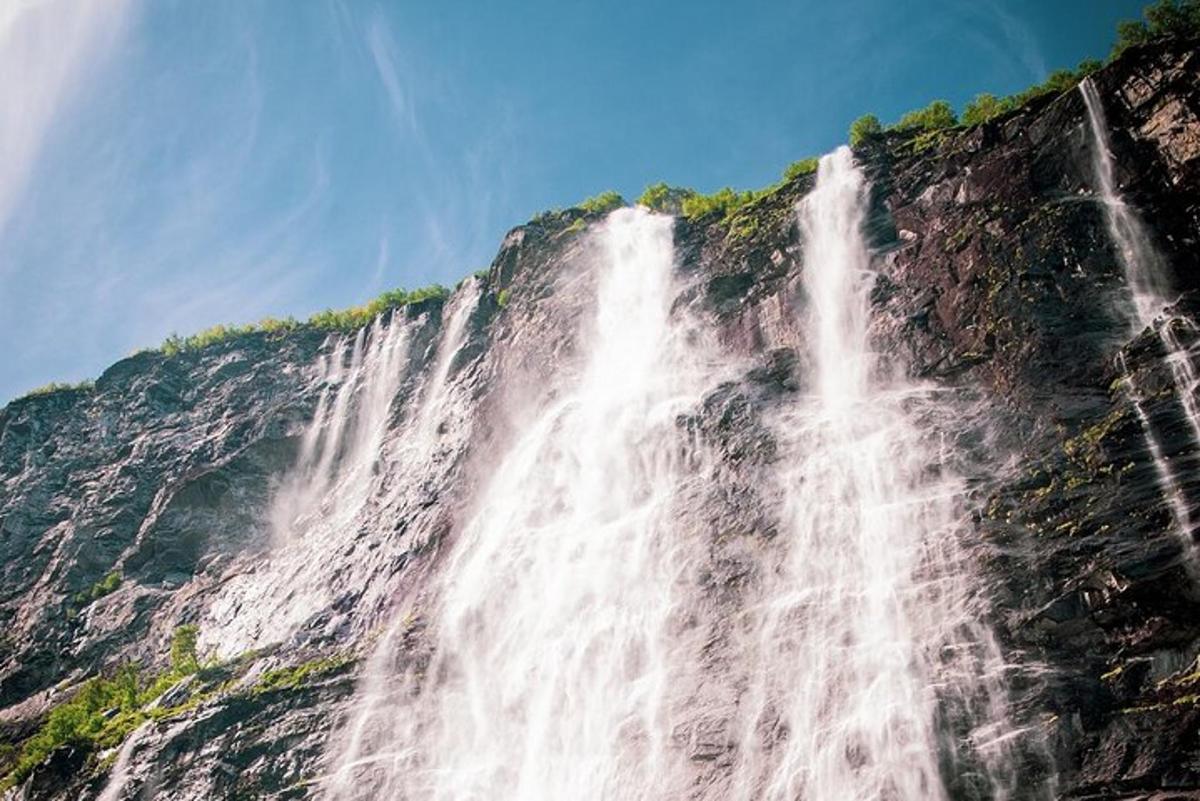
(553,644)
(1183,368)
(874,672)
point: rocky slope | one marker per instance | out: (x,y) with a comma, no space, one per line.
(997,280)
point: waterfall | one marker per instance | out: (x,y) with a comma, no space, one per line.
(552,632)
(340,448)
(1144,268)
(1167,479)
(359,460)
(874,676)
(1147,274)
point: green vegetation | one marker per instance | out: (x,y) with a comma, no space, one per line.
(934,117)
(984,107)
(802,167)
(87,721)
(105,709)
(105,586)
(724,200)
(1164,18)
(665,198)
(503,297)
(291,678)
(329,320)
(183,650)
(987,106)
(865,126)
(358,316)
(603,203)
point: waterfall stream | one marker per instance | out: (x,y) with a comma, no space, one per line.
(871,663)
(1148,277)
(1143,266)
(358,462)
(553,643)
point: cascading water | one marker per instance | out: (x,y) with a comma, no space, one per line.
(1143,266)
(315,507)
(355,462)
(874,677)
(553,637)
(1147,275)
(333,476)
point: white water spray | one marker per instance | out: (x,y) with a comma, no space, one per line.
(552,629)
(872,664)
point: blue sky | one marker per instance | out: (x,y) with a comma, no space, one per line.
(168,165)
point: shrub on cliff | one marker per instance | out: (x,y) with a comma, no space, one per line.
(184,660)
(802,167)
(1164,18)
(934,117)
(105,709)
(358,316)
(86,721)
(987,106)
(105,586)
(330,320)
(865,126)
(665,198)
(725,200)
(603,203)
(58,386)
(984,107)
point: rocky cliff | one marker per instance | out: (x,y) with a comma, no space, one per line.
(136,509)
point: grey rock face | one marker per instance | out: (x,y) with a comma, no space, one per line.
(997,281)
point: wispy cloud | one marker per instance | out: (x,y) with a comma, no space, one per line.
(1010,40)
(47,49)
(158,210)
(459,189)
(202,180)
(383,51)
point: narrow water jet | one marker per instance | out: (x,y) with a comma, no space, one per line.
(874,675)
(1148,277)
(118,776)
(1145,270)
(1167,480)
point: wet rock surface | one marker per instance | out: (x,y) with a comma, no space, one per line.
(997,282)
